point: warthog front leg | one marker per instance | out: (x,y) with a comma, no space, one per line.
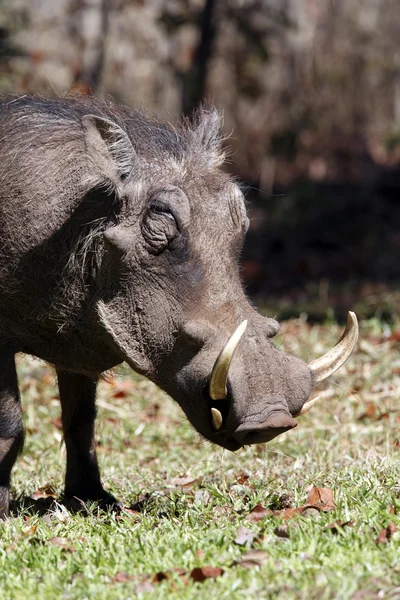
(82,480)
(11,428)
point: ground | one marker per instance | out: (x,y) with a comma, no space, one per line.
(195,512)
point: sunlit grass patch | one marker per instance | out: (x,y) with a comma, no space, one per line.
(188,499)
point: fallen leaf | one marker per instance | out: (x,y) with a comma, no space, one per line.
(47,491)
(242,477)
(144,586)
(395,337)
(63,543)
(223,511)
(386,534)
(140,505)
(245,536)
(122,577)
(282,531)
(130,512)
(30,531)
(203,573)
(163,575)
(253,558)
(152,413)
(336,526)
(372,412)
(57,422)
(310,511)
(47,379)
(120,394)
(186,482)
(369,413)
(121,389)
(321,498)
(258,513)
(289,513)
(202,497)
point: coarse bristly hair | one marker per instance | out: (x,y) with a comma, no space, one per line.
(41,145)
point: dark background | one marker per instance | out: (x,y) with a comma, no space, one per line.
(310,91)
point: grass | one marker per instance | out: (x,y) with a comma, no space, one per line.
(145,444)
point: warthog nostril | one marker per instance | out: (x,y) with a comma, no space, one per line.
(258,433)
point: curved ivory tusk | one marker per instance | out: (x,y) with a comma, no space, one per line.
(308,405)
(328,363)
(216,418)
(219,374)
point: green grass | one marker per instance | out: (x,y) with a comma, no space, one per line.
(145,443)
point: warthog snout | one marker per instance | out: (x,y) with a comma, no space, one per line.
(258,433)
(260,420)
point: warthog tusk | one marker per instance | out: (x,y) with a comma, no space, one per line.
(331,361)
(308,405)
(328,363)
(219,374)
(216,418)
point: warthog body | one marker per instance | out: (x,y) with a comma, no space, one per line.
(120,239)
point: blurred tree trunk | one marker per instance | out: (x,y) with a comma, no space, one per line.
(195,80)
(89,29)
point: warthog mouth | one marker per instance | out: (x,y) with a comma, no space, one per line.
(321,368)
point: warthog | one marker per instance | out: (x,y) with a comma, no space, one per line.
(120,240)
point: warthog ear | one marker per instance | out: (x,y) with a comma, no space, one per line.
(207,129)
(110,149)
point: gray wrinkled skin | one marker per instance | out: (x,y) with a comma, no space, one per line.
(120,239)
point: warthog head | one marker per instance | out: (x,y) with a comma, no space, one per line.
(170,295)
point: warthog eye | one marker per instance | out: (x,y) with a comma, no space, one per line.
(161,209)
(160,227)
(164,211)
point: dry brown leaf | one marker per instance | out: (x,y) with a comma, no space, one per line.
(186,482)
(245,536)
(288,513)
(57,422)
(152,413)
(386,534)
(223,511)
(253,558)
(203,573)
(63,543)
(30,531)
(310,511)
(202,497)
(120,394)
(144,586)
(321,498)
(47,491)
(163,575)
(122,577)
(282,531)
(373,413)
(140,505)
(242,477)
(258,513)
(369,413)
(337,525)
(130,512)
